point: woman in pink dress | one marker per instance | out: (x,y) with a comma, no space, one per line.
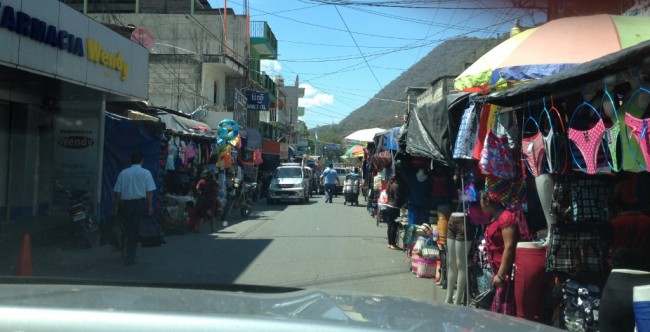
(501,238)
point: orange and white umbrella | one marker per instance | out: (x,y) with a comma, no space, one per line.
(553,47)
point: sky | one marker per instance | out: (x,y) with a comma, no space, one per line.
(346,51)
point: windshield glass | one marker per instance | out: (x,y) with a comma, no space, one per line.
(145,141)
(288,173)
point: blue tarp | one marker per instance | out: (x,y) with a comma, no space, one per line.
(123,137)
(528,72)
(392,137)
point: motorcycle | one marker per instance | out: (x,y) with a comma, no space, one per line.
(84,223)
(240,196)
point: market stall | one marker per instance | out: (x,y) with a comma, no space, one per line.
(575,187)
(562,155)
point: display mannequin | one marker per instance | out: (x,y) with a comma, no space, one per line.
(459,239)
(532,282)
(531,279)
(544,184)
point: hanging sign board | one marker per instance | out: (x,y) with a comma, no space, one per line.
(257,101)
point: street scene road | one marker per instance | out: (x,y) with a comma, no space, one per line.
(314,246)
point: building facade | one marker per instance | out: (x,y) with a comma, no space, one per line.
(201,58)
(58,69)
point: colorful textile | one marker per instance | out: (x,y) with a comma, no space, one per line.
(574,40)
(494,238)
(630,149)
(532,149)
(575,249)
(504,300)
(580,200)
(496,158)
(611,137)
(555,141)
(639,130)
(507,192)
(467,133)
(487,113)
(588,142)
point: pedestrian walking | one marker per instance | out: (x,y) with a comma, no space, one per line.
(393,206)
(207,190)
(133,202)
(330,178)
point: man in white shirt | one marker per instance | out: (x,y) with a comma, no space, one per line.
(133,201)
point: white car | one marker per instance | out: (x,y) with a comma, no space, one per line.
(289,183)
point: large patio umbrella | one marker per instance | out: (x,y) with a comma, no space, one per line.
(355,151)
(553,47)
(364,135)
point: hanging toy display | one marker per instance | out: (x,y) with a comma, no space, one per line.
(225,159)
(227,131)
(236,142)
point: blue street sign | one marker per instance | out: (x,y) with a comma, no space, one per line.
(257,101)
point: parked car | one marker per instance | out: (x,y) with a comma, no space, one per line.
(289,183)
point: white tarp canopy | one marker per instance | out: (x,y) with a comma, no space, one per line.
(364,135)
(185,126)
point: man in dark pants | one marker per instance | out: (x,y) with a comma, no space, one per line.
(133,202)
(330,178)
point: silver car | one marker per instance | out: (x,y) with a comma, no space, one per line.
(289,183)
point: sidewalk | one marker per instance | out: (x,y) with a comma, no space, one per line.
(43,231)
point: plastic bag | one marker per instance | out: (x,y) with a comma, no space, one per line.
(150,234)
(383,197)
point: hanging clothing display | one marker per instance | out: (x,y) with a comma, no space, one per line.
(467,132)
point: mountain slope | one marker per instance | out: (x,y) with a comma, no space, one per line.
(449,58)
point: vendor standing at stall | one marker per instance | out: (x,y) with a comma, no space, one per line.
(501,237)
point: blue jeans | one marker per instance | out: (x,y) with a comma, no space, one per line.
(330,189)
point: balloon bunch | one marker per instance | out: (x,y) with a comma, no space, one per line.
(228,132)
(228,135)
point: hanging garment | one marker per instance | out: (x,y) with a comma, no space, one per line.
(630,150)
(555,141)
(496,157)
(533,151)
(189,154)
(611,137)
(467,133)
(613,132)
(508,192)
(588,142)
(487,114)
(172,150)
(639,130)
(580,200)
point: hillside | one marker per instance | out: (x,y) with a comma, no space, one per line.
(449,58)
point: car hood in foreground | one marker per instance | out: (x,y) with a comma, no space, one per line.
(83,305)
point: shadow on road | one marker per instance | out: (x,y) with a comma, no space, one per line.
(192,258)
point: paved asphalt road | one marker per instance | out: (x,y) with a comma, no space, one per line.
(316,245)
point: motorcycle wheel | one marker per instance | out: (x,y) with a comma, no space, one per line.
(246,209)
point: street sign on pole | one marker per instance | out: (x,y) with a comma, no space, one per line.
(257,101)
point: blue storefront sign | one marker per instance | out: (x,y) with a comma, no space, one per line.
(257,101)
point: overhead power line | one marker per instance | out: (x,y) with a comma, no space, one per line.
(359,49)
(412,4)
